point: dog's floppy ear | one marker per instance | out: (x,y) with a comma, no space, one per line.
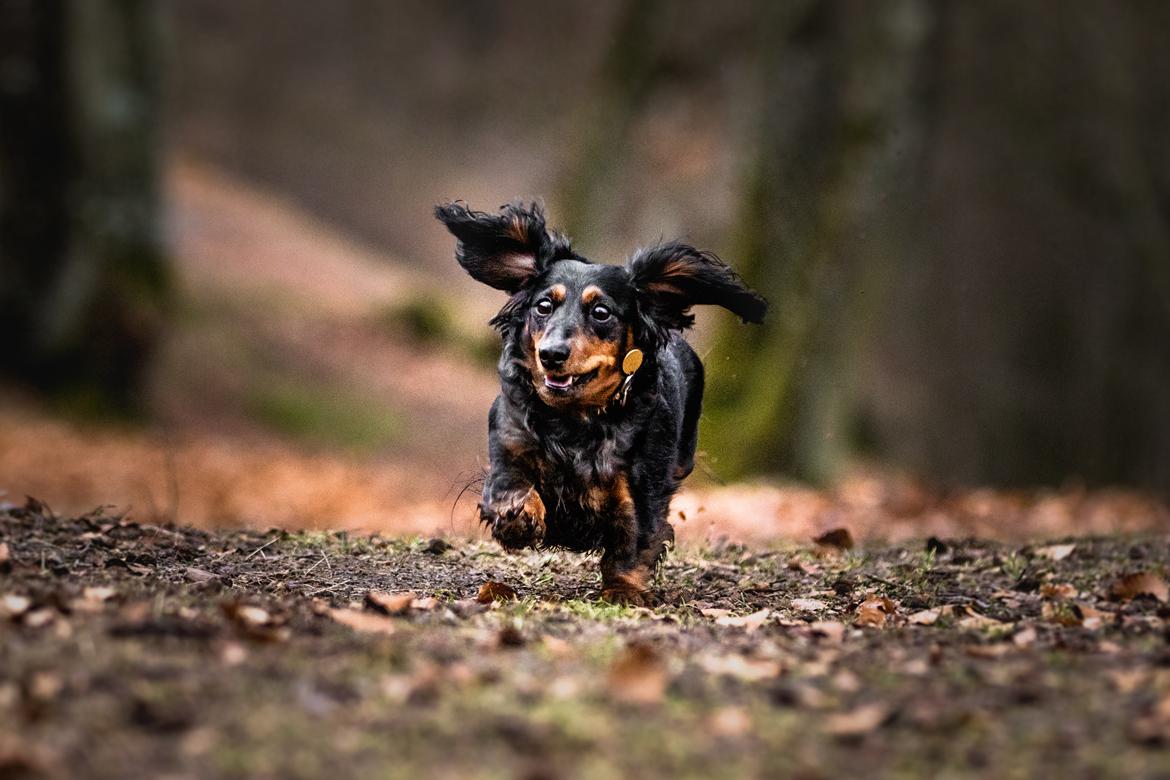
(671,278)
(505,250)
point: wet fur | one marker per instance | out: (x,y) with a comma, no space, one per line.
(584,472)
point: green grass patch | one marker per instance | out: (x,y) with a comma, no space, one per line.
(323,416)
(429,319)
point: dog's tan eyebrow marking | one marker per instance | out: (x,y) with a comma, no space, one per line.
(592,293)
(558,292)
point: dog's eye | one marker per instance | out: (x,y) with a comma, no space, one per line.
(544,308)
(601,313)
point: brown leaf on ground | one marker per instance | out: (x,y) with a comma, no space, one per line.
(1025,637)
(390,603)
(729,722)
(832,630)
(1058,591)
(875,611)
(425,604)
(98,593)
(495,591)
(747,622)
(248,614)
(928,617)
(363,622)
(857,722)
(1143,583)
(809,605)
(839,538)
(5,557)
(973,619)
(1090,617)
(740,667)
(1055,552)
(256,622)
(638,675)
(13,605)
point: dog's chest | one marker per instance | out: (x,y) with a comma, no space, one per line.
(580,470)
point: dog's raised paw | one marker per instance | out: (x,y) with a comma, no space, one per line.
(517,524)
(628,596)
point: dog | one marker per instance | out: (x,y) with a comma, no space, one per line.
(597,420)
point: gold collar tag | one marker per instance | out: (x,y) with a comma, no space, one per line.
(632,361)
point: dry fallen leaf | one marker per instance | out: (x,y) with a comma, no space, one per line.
(839,538)
(390,603)
(740,667)
(875,611)
(99,593)
(13,605)
(973,619)
(251,615)
(256,622)
(197,575)
(928,617)
(1055,552)
(857,722)
(714,612)
(363,622)
(809,605)
(833,630)
(1025,637)
(425,604)
(38,618)
(747,622)
(1144,583)
(638,676)
(1090,617)
(729,722)
(495,591)
(998,650)
(1058,592)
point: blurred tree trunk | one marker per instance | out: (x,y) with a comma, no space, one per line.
(628,76)
(82,275)
(839,127)
(960,213)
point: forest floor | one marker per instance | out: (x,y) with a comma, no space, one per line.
(131,650)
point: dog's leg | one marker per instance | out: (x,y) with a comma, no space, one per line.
(515,515)
(511,507)
(625,570)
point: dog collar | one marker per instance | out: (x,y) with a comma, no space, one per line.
(630,364)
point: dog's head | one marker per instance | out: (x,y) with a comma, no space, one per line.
(572,322)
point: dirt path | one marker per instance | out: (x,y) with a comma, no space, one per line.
(131,650)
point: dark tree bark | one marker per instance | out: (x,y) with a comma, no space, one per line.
(82,274)
(960,213)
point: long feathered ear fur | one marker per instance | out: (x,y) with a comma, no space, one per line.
(670,278)
(505,250)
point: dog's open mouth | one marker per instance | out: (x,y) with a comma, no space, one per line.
(565,383)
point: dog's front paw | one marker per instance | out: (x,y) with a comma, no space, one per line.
(517,523)
(627,587)
(627,596)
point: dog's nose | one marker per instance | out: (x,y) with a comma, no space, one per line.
(554,355)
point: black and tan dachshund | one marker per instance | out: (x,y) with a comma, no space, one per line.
(596,424)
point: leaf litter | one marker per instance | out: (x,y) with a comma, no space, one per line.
(196,640)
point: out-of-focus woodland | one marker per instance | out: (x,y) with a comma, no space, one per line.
(216,222)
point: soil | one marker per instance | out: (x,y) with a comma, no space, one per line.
(133,650)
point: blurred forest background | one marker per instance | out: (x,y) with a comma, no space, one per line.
(224,297)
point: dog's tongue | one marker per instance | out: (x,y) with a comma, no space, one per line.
(559,383)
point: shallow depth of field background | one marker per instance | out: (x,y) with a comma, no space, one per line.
(227,301)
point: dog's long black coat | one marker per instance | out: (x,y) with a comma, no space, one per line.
(578,460)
